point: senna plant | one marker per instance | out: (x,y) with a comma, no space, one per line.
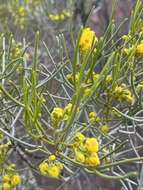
(84,113)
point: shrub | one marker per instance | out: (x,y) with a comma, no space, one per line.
(90,118)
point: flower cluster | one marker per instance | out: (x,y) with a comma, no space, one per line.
(70,77)
(86,150)
(136,50)
(4,148)
(17,49)
(93,118)
(123,94)
(20,16)
(59,114)
(51,167)
(60,17)
(92,78)
(11,179)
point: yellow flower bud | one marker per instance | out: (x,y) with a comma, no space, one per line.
(67,13)
(57,115)
(139,50)
(22,11)
(6,186)
(79,156)
(70,77)
(6,178)
(79,137)
(95,76)
(118,90)
(126,37)
(127,51)
(51,16)
(16,180)
(52,157)
(56,17)
(60,165)
(139,86)
(67,109)
(87,91)
(92,114)
(130,99)
(109,79)
(105,129)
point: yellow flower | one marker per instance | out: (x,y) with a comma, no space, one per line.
(6,178)
(139,50)
(91,145)
(57,115)
(54,171)
(105,129)
(87,91)
(87,39)
(16,180)
(6,186)
(93,160)
(52,157)
(79,156)
(43,167)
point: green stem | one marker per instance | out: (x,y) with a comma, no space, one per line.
(120,162)
(109,177)
(118,147)
(10,97)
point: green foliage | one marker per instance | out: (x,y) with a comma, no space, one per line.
(82,111)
